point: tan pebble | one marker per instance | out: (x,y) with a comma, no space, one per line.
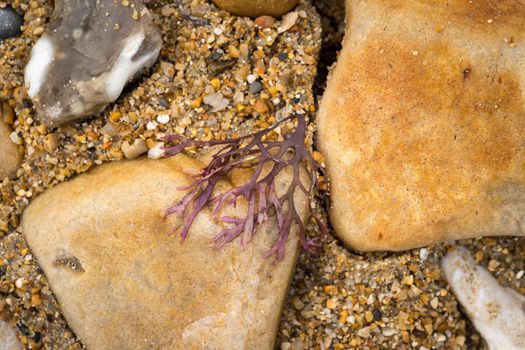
(8,114)
(260,68)
(234,52)
(493,265)
(329,289)
(196,102)
(297,303)
(115,116)
(408,280)
(265,21)
(388,332)
(434,303)
(479,256)
(50,143)
(343,315)
(261,106)
(318,157)
(134,150)
(19,283)
(424,298)
(244,49)
(92,135)
(288,21)
(286,346)
(80,138)
(429,329)
(405,336)
(167,68)
(35,300)
(38,30)
(309,59)
(331,303)
(364,332)
(157,151)
(166,11)
(216,84)
(460,340)
(402,295)
(3,226)
(133,117)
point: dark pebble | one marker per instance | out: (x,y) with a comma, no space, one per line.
(255,87)
(10,23)
(282,56)
(377,315)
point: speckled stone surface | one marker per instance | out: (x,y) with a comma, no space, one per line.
(89,52)
(10,23)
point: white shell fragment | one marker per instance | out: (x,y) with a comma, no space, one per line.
(89,52)
(498,313)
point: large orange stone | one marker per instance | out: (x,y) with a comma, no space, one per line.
(423,123)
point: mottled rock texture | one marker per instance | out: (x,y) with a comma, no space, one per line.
(497,312)
(89,52)
(254,8)
(124,283)
(423,123)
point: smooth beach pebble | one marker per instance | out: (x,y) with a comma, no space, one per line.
(10,23)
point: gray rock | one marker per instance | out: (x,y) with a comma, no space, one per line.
(255,87)
(10,23)
(89,52)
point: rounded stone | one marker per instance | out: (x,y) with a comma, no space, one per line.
(10,23)
(255,87)
(257,8)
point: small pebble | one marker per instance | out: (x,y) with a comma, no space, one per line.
(163,118)
(388,332)
(17,140)
(423,254)
(255,87)
(286,346)
(364,332)
(19,283)
(288,21)
(50,143)
(265,21)
(493,265)
(297,303)
(134,150)
(151,125)
(331,304)
(157,151)
(434,303)
(10,23)
(261,106)
(217,101)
